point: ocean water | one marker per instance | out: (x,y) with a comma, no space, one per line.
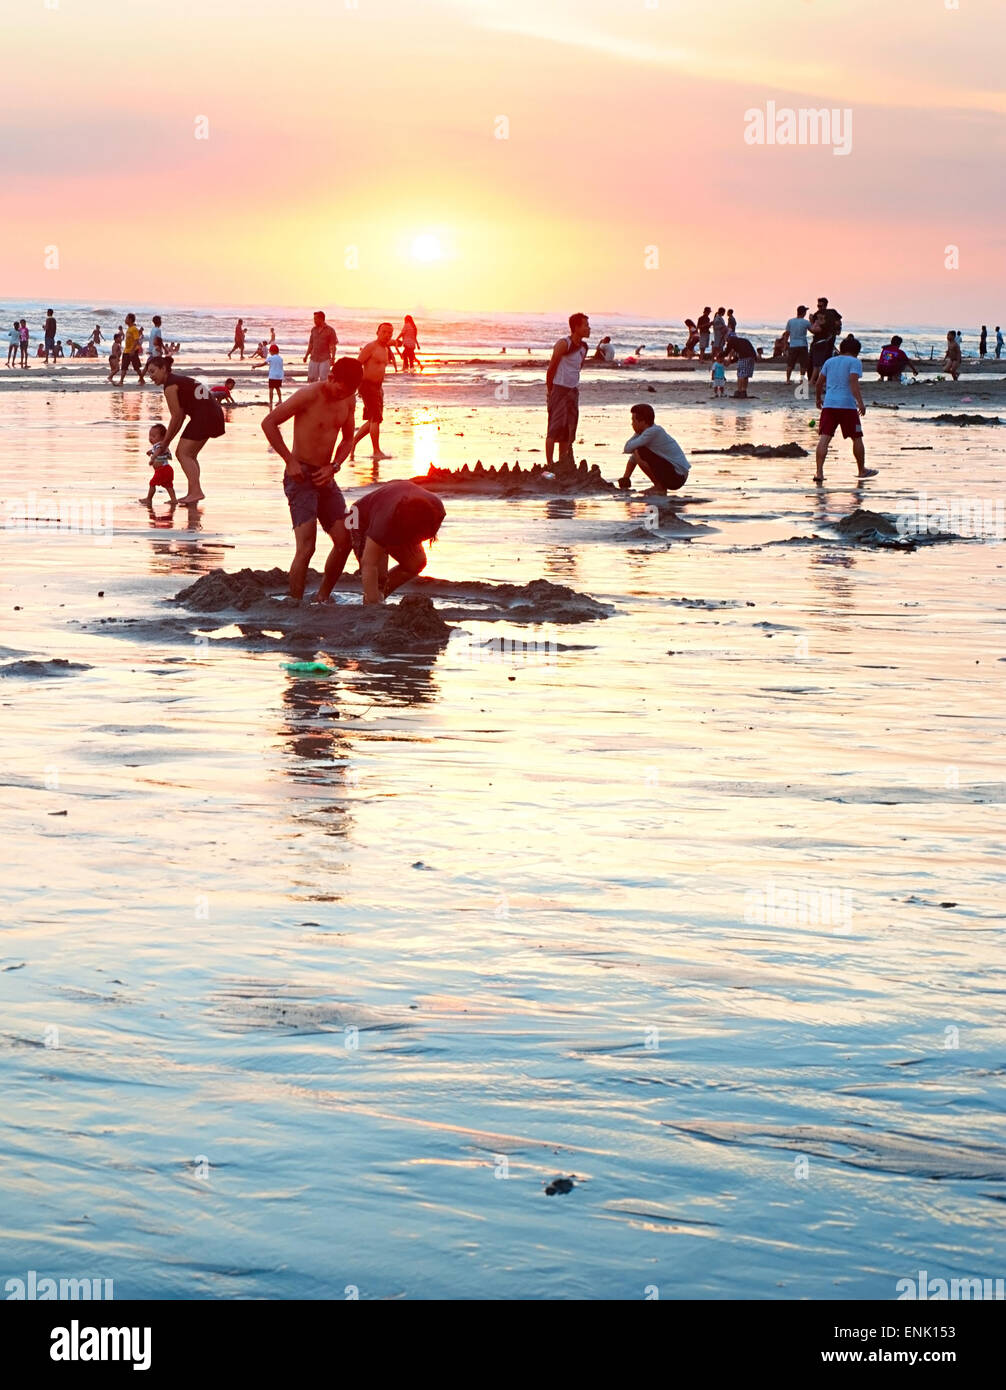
(450,339)
(311,986)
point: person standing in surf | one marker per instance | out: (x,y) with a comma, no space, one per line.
(562,390)
(187,399)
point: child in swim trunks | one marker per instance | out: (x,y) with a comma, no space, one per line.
(160,461)
(719,377)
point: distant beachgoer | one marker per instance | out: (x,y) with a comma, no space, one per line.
(653,450)
(960,338)
(780,348)
(952,360)
(983,343)
(320,412)
(160,461)
(24,337)
(797,354)
(999,341)
(188,398)
(408,341)
(838,390)
(96,335)
(275,374)
(605,351)
(893,361)
(375,359)
(239,340)
(825,326)
(13,344)
(49,333)
(392,522)
(693,337)
(272,336)
(719,330)
(562,390)
(259,353)
(741,351)
(40,351)
(704,324)
(114,356)
(719,377)
(59,349)
(223,394)
(731,322)
(321,347)
(131,350)
(672,351)
(155,347)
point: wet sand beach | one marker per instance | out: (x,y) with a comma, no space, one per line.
(315,982)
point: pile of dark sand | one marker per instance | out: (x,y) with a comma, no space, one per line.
(761,451)
(966,420)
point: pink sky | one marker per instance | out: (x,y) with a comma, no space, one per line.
(333,127)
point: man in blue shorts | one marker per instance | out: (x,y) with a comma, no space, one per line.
(320,413)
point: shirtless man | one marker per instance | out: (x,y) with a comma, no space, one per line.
(320,348)
(374,359)
(320,413)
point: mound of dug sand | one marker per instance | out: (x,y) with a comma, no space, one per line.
(863,527)
(761,451)
(966,420)
(516,481)
(401,625)
(874,529)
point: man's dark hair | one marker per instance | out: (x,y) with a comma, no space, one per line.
(821,300)
(574,319)
(48,311)
(166,362)
(850,346)
(156,320)
(896,341)
(645,412)
(348,372)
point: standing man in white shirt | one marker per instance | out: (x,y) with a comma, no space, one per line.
(798,354)
(562,390)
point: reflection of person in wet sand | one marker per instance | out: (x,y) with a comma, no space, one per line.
(394,520)
(374,358)
(320,413)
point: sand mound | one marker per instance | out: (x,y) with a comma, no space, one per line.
(761,451)
(966,420)
(55,666)
(515,482)
(863,523)
(243,590)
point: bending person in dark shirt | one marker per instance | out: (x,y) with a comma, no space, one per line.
(392,522)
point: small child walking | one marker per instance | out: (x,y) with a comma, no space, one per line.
(275,369)
(719,376)
(160,461)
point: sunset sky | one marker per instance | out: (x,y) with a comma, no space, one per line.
(334,127)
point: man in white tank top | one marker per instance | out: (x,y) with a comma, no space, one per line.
(562,387)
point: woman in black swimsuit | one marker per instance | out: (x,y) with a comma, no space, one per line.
(187,397)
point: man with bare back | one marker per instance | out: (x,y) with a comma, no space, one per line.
(320,413)
(374,358)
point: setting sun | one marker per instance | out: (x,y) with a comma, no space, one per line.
(427,248)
